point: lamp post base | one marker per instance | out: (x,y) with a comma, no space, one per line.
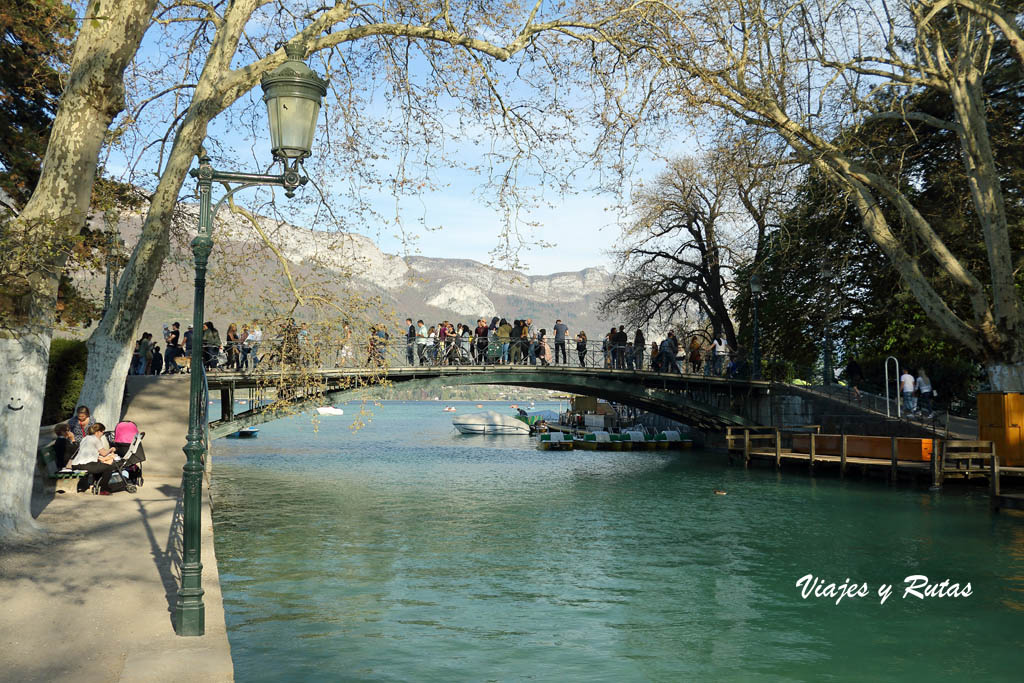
(190,613)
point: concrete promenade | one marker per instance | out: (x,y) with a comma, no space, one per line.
(93,600)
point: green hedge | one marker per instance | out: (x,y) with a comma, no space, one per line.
(64,378)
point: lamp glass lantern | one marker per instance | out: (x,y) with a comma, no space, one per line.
(292,93)
(755,284)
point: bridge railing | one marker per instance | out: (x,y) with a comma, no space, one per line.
(397,353)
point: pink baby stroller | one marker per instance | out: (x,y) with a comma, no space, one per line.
(128,445)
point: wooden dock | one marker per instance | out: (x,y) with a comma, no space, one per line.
(934,460)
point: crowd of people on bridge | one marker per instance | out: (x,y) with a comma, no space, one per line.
(497,341)
(238,350)
(520,342)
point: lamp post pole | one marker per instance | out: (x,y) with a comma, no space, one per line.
(190,612)
(292,93)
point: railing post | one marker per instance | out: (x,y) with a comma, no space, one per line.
(746,447)
(778,448)
(810,459)
(894,450)
(842,456)
(227,403)
(994,483)
(936,465)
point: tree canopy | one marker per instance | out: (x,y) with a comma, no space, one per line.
(35,46)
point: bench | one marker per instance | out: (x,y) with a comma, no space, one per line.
(47,457)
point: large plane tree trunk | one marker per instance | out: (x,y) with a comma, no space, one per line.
(112,342)
(109,37)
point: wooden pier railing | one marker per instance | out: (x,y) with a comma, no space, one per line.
(932,458)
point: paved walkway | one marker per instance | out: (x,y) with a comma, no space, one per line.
(94,599)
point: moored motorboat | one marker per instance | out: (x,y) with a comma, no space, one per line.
(637,440)
(672,439)
(247,433)
(489,422)
(330,410)
(554,441)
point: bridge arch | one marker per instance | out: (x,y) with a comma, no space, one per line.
(703,402)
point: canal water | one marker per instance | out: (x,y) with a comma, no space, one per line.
(404,551)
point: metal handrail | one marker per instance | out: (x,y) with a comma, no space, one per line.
(894,360)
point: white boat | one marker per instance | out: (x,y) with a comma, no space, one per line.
(490,422)
(330,410)
(449,409)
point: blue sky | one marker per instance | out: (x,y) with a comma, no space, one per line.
(581,227)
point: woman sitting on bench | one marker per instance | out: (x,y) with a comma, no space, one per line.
(96,457)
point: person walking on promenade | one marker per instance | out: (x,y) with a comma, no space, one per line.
(581,348)
(639,346)
(172,339)
(907,386)
(145,353)
(560,329)
(156,361)
(925,393)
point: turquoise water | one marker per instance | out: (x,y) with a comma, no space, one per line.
(407,552)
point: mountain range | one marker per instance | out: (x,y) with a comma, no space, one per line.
(254,272)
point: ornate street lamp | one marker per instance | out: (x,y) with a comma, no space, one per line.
(292,93)
(755,295)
